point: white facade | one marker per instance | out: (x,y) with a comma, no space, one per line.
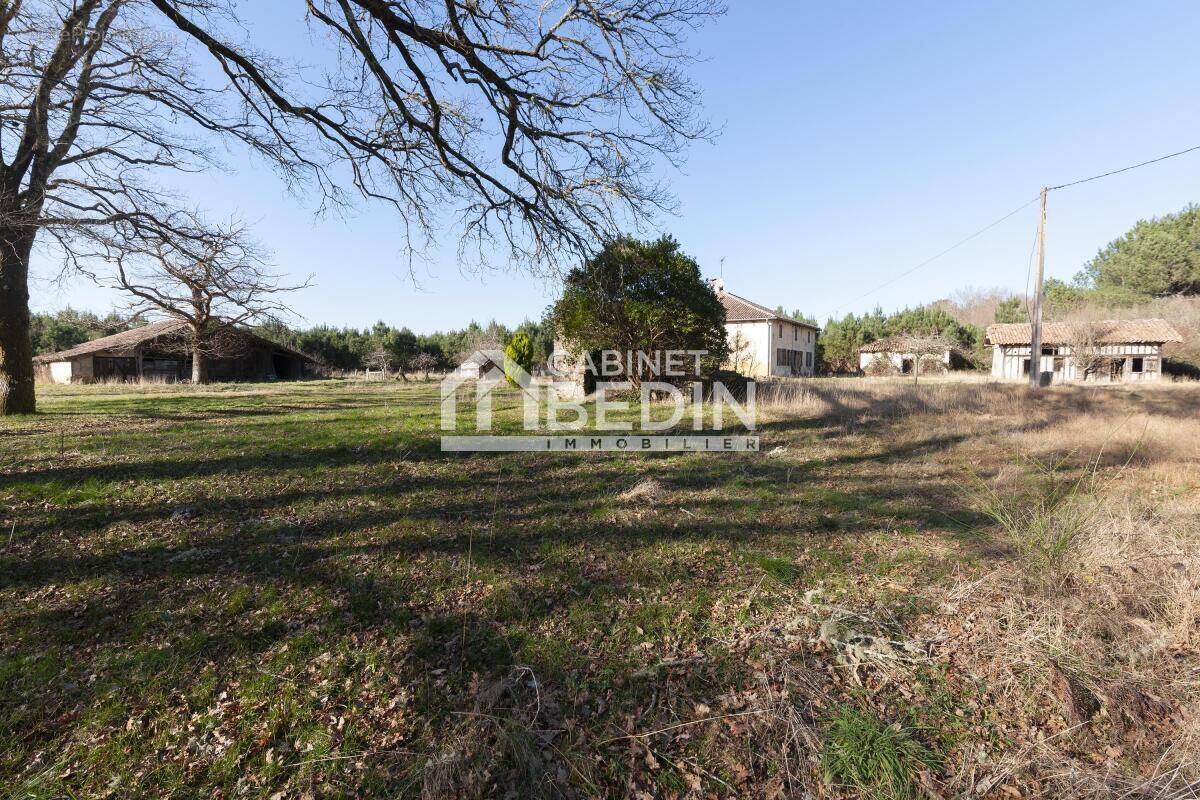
(72,371)
(771,348)
(1124,362)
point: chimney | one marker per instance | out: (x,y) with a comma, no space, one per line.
(718,285)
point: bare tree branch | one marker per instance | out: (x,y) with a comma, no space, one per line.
(536,126)
(216,279)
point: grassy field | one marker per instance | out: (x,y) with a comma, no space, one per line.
(289,591)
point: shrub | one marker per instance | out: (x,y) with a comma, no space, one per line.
(881,366)
(519,353)
(933,365)
(1044,519)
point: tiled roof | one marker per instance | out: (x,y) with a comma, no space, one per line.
(1110,331)
(739,309)
(125,340)
(128,341)
(888,344)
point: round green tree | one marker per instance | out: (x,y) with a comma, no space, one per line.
(641,297)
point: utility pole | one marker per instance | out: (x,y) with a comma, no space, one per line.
(1035,345)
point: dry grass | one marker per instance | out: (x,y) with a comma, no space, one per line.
(1085,636)
(851,402)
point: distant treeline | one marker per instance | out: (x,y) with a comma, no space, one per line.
(840,341)
(381,345)
(1153,270)
(384,346)
(64,329)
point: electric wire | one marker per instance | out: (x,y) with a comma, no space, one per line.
(1123,169)
(933,258)
(1012,213)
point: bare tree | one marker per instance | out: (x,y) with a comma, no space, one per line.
(975,306)
(741,353)
(380,359)
(385,360)
(216,278)
(927,350)
(536,122)
(493,337)
(423,362)
(1087,348)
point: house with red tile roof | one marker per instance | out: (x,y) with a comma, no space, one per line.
(764,343)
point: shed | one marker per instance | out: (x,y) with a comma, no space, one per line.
(477,365)
(893,353)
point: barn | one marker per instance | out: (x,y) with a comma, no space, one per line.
(158,352)
(1107,351)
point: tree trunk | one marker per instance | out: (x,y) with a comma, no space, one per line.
(198,323)
(199,362)
(16,348)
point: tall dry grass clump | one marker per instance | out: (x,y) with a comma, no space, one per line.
(1090,632)
(855,401)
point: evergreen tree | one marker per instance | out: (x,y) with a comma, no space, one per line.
(1156,258)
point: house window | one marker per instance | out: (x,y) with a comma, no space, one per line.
(795,334)
(1049,351)
(1138,365)
(779,329)
(779,357)
(808,359)
(1025,367)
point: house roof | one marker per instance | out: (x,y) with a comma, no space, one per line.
(888,344)
(130,340)
(125,340)
(739,309)
(480,358)
(1111,331)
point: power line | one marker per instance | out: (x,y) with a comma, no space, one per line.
(1029,272)
(931,259)
(1012,213)
(1123,169)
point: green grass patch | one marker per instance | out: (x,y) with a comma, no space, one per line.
(881,761)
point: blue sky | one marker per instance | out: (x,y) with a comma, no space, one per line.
(859,139)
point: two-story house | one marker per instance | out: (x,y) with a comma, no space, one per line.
(763,343)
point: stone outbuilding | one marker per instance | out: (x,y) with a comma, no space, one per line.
(893,353)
